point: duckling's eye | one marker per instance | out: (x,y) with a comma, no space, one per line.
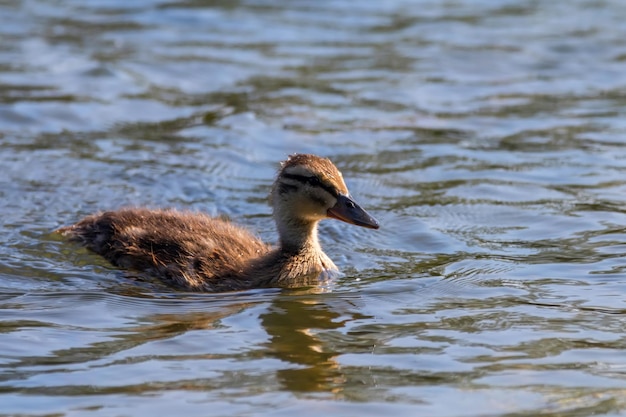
(314,181)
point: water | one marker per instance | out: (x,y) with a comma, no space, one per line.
(487,137)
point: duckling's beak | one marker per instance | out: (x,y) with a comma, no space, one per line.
(347,210)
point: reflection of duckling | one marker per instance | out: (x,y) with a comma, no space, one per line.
(196,252)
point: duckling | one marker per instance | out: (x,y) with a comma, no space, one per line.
(196,252)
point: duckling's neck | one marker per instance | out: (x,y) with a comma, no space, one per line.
(298,237)
(299,258)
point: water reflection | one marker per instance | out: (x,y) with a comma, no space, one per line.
(292,324)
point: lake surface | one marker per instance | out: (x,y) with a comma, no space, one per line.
(487,137)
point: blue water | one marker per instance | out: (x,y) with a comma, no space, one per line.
(486,137)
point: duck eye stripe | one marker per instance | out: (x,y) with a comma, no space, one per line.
(313,181)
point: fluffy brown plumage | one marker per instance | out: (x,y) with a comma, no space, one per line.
(196,252)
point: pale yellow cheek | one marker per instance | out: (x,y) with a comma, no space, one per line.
(311,210)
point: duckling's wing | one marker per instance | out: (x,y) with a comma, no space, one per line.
(187,249)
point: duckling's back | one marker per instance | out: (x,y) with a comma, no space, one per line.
(192,251)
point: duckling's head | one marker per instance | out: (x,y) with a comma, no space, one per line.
(309,188)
